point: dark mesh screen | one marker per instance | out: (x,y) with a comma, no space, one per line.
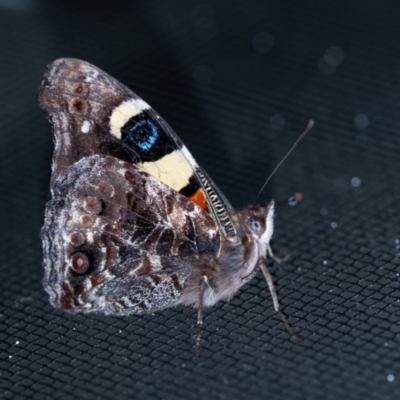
(237,81)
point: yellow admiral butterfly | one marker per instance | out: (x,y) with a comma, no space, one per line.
(134,224)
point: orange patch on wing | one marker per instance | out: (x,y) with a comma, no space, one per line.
(199,198)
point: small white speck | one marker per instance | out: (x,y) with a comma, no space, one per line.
(263,42)
(355,181)
(120,331)
(323,211)
(183,365)
(397,241)
(277,121)
(386,344)
(85,126)
(325,262)
(361,121)
(298,268)
(17,342)
(390,378)
(333,225)
(73,329)
(333,56)
(9,356)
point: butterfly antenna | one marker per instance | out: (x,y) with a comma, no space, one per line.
(307,129)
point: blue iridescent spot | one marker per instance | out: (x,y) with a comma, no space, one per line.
(150,134)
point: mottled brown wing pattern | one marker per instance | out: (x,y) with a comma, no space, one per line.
(78,100)
(119,241)
(92,113)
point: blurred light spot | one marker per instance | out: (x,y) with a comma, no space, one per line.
(333,56)
(390,378)
(325,262)
(361,121)
(277,121)
(333,225)
(203,74)
(361,138)
(397,241)
(355,181)
(263,42)
(17,342)
(323,211)
(203,21)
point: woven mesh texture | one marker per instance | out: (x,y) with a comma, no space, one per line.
(237,80)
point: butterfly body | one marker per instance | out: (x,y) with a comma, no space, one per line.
(134,225)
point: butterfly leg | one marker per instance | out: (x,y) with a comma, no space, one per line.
(275,301)
(203,287)
(274,257)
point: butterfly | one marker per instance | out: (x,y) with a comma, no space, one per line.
(134,225)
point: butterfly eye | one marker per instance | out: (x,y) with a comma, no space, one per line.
(255,226)
(80,263)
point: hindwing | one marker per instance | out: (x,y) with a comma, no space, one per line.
(119,241)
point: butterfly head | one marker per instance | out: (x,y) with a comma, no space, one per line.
(259,223)
(257,226)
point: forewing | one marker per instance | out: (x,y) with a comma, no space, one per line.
(92,113)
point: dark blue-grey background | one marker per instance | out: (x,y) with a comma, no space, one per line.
(237,80)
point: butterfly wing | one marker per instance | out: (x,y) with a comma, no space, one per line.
(92,113)
(118,241)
